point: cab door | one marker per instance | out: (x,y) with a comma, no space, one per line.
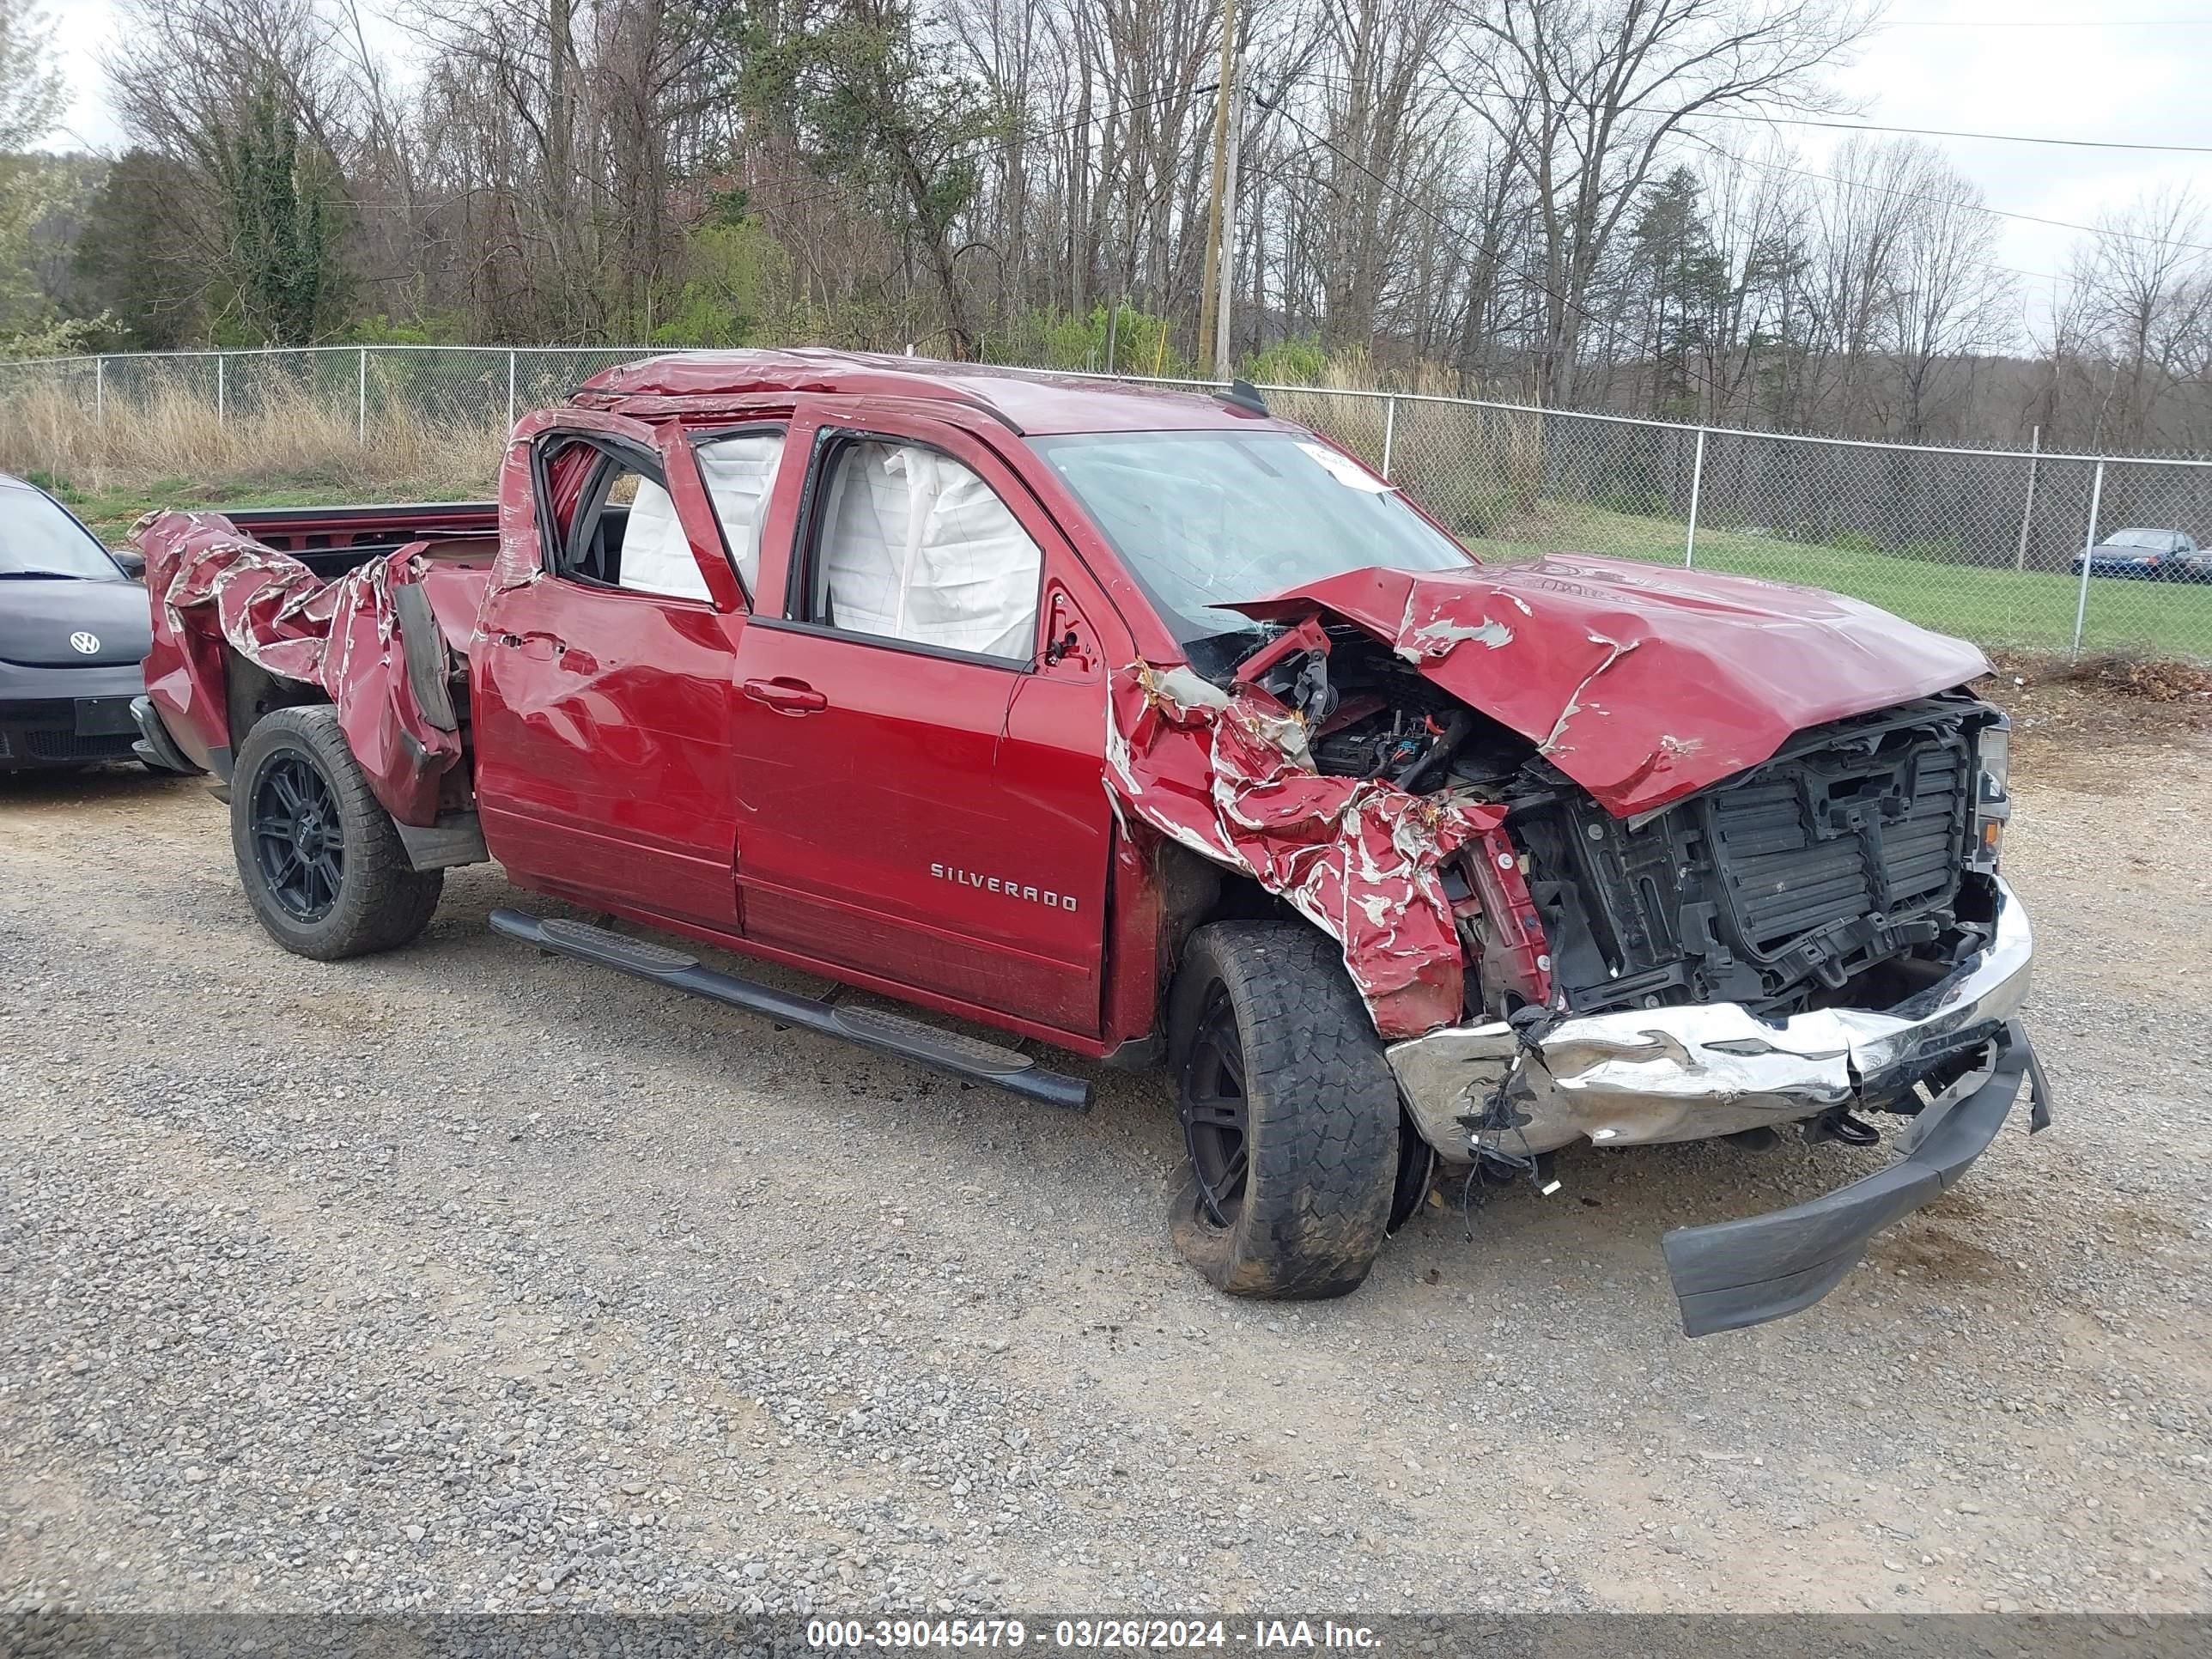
(600,694)
(896,812)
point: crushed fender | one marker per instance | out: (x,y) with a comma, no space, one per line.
(214,587)
(1228,775)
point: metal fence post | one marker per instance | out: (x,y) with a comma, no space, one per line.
(1389,429)
(2089,542)
(510,394)
(2027,511)
(222,388)
(364,397)
(1697,483)
(100,390)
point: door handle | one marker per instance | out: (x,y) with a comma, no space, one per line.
(785,696)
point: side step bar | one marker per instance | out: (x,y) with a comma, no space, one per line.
(878,1028)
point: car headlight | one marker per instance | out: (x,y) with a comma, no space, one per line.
(1992,792)
(1997,756)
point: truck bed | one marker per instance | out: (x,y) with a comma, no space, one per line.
(369,608)
(332,540)
(461,539)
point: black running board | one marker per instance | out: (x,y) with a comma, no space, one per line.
(878,1028)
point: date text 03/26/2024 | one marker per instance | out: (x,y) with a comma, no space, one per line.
(1138,1634)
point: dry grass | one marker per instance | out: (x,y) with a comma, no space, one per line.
(290,440)
(1352,368)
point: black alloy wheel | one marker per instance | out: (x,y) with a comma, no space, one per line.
(299,839)
(1216,1113)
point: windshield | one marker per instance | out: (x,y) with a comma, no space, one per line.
(2158,541)
(36,535)
(1207,519)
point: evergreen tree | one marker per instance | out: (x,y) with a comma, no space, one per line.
(1687,288)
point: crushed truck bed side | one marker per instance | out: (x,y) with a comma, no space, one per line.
(378,642)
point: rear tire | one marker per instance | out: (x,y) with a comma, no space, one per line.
(318,856)
(1290,1112)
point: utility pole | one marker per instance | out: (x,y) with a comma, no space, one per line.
(1222,334)
(1209,299)
(2027,512)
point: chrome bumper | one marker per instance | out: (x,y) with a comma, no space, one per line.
(1686,1073)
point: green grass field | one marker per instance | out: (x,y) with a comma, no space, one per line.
(2027,610)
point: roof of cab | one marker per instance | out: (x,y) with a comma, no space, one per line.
(1033,403)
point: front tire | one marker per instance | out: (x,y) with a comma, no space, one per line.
(1289,1113)
(318,856)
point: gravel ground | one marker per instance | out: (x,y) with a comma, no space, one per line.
(468,1278)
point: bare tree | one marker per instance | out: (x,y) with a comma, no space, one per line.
(1592,95)
(1948,302)
(30,100)
(2145,303)
(251,97)
(1571,200)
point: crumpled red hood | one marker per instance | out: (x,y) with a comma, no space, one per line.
(1640,683)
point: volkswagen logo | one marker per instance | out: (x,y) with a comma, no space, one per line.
(85,643)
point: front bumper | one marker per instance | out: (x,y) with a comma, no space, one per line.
(1686,1073)
(1689,1073)
(1734,1274)
(67,716)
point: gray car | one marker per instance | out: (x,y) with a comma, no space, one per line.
(74,634)
(2149,556)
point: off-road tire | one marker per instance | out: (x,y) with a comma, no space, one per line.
(1321,1108)
(381,902)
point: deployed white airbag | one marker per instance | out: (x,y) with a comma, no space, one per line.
(917,547)
(738,473)
(656,555)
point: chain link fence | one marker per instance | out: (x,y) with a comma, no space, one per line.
(1985,543)
(444,386)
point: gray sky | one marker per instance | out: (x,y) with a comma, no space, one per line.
(2125,69)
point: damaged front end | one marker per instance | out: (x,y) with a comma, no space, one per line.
(1607,868)
(1689,1072)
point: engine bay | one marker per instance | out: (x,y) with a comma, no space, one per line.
(1840,872)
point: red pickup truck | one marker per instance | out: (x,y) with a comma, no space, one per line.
(1155,729)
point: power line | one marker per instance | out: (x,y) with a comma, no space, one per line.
(1978,207)
(1865,126)
(1955,132)
(2068,23)
(1952,201)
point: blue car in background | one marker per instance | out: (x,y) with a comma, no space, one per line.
(2149,556)
(74,633)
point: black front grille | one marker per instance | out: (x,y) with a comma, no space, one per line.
(67,746)
(1846,849)
(1835,839)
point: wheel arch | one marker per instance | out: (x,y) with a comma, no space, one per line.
(1195,892)
(252,693)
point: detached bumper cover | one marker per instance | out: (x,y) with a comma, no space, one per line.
(1689,1073)
(1734,1274)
